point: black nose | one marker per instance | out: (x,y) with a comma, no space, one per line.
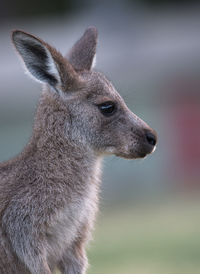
(151,138)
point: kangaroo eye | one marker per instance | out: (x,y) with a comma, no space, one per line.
(107,108)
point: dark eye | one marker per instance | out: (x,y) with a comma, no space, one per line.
(107,108)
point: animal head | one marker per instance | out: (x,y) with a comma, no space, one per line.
(99,117)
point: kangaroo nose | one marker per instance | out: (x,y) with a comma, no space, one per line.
(151,138)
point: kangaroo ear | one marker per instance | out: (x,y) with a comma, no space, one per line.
(82,54)
(43,62)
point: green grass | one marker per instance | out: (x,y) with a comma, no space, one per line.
(150,240)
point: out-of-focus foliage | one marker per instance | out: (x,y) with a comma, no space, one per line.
(148,239)
(27,9)
(165,2)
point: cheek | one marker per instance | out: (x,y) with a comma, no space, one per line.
(110,135)
(120,137)
(90,128)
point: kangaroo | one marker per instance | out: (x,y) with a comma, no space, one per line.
(49,192)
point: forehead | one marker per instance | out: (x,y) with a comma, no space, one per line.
(98,85)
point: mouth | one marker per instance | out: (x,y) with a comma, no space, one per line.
(144,151)
(145,154)
(137,153)
(153,150)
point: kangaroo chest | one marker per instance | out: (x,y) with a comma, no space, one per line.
(70,221)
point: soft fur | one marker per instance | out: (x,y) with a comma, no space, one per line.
(49,193)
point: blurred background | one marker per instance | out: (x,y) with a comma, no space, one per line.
(150,49)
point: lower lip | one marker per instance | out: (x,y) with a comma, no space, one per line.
(153,149)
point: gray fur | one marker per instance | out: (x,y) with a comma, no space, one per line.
(49,193)
(82,54)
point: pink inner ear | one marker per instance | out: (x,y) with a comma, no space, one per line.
(82,54)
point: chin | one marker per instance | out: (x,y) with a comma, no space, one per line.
(129,156)
(135,154)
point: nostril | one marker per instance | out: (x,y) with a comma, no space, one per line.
(151,138)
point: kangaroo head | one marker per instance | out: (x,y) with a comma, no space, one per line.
(99,118)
